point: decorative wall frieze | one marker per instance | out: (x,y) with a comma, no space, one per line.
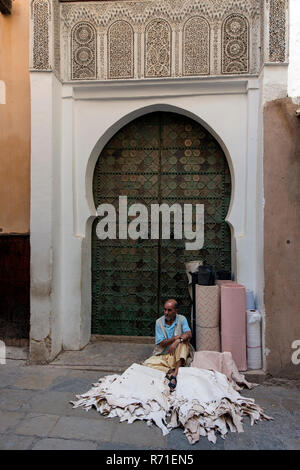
(83,51)
(277,30)
(142,11)
(120,50)
(41,16)
(196,45)
(56,36)
(158,49)
(235,44)
(158,38)
(171,37)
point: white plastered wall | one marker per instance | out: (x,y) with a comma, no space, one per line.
(83,118)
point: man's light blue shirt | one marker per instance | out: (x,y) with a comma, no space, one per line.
(170,330)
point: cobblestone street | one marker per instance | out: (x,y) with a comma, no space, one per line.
(35,412)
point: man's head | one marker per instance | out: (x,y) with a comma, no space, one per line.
(170,309)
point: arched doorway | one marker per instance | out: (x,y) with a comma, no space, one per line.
(161,157)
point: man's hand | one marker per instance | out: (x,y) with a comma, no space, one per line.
(186,336)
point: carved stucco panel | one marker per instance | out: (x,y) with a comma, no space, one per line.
(120,50)
(196,45)
(235,45)
(83,52)
(41,17)
(158,49)
(180,50)
(277,31)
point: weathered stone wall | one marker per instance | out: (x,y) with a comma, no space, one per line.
(281,234)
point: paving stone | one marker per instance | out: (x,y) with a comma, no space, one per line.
(293,444)
(9,375)
(71,384)
(138,434)
(93,376)
(15,362)
(52,402)
(177,440)
(80,412)
(281,392)
(58,403)
(39,379)
(83,428)
(64,444)
(14,442)
(35,401)
(264,399)
(8,419)
(109,354)
(291,405)
(239,441)
(268,442)
(36,424)
(13,400)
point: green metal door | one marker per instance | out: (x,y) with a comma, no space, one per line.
(158,158)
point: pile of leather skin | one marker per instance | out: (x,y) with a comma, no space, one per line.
(203,403)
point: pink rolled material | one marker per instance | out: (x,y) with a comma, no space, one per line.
(233,323)
(221,282)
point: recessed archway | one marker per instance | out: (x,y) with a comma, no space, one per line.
(159,157)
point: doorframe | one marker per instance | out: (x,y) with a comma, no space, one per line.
(99,156)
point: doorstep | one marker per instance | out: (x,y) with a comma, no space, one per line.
(123,339)
(128,348)
(256,376)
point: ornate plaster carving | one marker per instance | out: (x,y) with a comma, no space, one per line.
(56,36)
(160,38)
(235,44)
(277,31)
(84,53)
(196,44)
(158,49)
(120,50)
(41,17)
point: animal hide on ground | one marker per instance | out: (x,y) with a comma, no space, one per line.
(203,402)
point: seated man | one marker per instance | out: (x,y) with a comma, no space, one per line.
(172,339)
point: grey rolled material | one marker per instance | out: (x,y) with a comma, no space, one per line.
(207,318)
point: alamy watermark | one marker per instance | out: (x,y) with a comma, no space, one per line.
(139,226)
(296,354)
(2,352)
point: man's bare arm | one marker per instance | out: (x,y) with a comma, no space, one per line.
(167,342)
(185,337)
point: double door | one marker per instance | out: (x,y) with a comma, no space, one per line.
(158,158)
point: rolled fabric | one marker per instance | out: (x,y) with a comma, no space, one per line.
(254,350)
(250,302)
(253,328)
(221,282)
(254,359)
(207,318)
(207,306)
(208,339)
(233,323)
